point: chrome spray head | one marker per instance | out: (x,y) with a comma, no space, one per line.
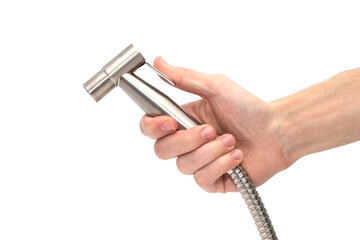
(109,76)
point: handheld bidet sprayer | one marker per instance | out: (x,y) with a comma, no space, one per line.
(120,72)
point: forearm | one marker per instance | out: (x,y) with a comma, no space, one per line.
(321,117)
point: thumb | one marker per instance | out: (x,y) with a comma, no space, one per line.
(202,84)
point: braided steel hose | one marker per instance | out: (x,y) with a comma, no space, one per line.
(254,203)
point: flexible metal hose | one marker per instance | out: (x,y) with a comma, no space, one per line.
(254,203)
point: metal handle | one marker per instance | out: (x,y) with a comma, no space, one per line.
(154,102)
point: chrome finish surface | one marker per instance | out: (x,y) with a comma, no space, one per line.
(125,62)
(99,85)
(108,77)
(154,102)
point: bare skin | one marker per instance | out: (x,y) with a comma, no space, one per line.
(239,128)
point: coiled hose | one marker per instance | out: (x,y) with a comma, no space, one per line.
(254,202)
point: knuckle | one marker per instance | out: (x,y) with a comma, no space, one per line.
(233,162)
(223,162)
(191,139)
(208,190)
(146,120)
(188,141)
(151,132)
(182,166)
(159,151)
(186,138)
(222,77)
(226,163)
(180,76)
(143,125)
(146,127)
(200,179)
(142,128)
(215,87)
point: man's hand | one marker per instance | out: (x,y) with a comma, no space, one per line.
(238,128)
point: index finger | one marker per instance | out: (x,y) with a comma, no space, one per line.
(157,127)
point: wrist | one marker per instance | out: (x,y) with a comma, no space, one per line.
(321,117)
(289,131)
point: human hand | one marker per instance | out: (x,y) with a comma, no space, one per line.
(246,127)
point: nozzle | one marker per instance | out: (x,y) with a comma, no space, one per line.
(109,76)
(99,85)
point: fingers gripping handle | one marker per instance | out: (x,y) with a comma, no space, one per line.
(155,103)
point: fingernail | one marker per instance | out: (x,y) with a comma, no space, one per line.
(237,154)
(228,140)
(167,127)
(207,133)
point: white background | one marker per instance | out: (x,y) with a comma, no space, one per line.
(71,168)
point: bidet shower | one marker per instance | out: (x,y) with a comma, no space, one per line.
(120,72)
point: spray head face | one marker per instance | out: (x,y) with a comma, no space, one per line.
(109,76)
